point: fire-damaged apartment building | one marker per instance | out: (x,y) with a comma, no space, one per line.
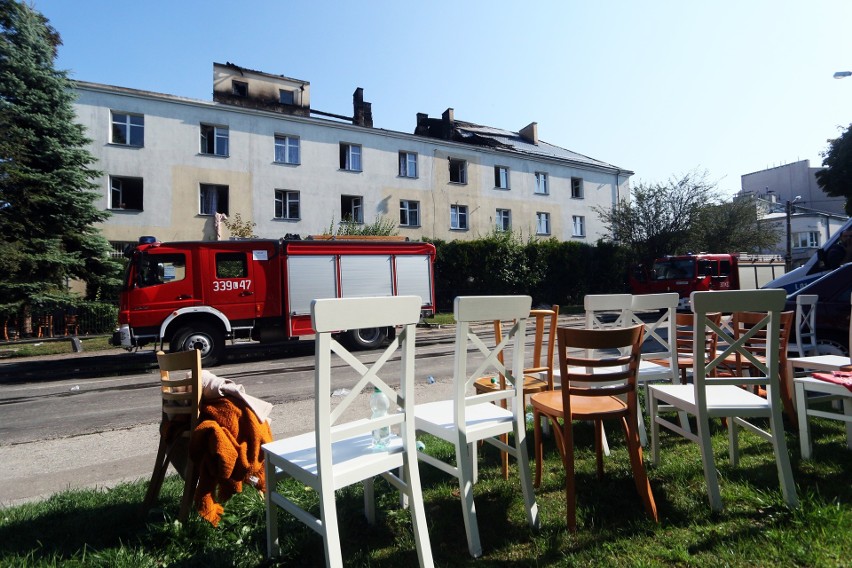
(173,167)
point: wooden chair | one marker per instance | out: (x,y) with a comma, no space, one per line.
(72,324)
(722,397)
(181,397)
(594,389)
(465,420)
(337,453)
(538,377)
(44,326)
(10,329)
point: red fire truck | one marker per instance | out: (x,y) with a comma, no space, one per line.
(198,295)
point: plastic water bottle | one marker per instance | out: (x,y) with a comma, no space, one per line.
(380,405)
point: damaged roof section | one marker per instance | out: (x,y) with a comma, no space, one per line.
(525,141)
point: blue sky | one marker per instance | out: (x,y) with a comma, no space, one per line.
(658,87)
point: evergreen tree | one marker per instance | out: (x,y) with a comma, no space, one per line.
(47,211)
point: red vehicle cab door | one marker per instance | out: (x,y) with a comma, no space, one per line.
(163,284)
(232,289)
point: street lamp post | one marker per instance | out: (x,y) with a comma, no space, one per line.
(788,260)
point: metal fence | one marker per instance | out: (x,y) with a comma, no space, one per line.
(63,322)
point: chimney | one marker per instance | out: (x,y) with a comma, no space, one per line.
(362,113)
(530,133)
(448,124)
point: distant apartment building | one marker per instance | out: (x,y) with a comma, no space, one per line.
(814,216)
(173,167)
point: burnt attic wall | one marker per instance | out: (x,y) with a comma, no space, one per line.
(260,103)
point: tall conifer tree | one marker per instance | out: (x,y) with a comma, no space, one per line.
(47,194)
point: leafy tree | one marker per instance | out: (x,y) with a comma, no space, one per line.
(239,228)
(836,179)
(47,211)
(380,227)
(658,218)
(731,227)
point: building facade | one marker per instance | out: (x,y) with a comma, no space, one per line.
(787,182)
(175,168)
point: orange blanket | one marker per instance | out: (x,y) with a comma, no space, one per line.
(226,448)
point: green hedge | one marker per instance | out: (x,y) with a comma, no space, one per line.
(550,271)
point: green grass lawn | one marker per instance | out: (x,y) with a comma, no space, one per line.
(106,528)
(35,348)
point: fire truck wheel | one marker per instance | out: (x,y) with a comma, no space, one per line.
(207,338)
(370,338)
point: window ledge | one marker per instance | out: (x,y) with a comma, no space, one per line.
(119,145)
(214,155)
(291,164)
(350,171)
(287,219)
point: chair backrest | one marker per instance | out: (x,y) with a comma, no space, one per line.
(602,308)
(330,316)
(686,336)
(610,375)
(544,342)
(806,340)
(743,322)
(657,345)
(769,303)
(181,392)
(479,309)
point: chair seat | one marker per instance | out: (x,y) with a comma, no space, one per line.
(532,384)
(582,407)
(722,400)
(350,455)
(438,419)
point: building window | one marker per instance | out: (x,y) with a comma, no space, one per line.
(407,164)
(286,97)
(350,157)
(409,213)
(504,220)
(809,239)
(577,188)
(286,204)
(214,140)
(579,226)
(239,88)
(213,199)
(350,209)
(541,183)
(458,217)
(125,193)
(458,171)
(128,129)
(286,149)
(542,223)
(501,177)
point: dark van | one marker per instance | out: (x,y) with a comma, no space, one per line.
(832,311)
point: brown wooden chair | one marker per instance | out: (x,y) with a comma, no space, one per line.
(72,324)
(44,325)
(538,377)
(181,397)
(608,394)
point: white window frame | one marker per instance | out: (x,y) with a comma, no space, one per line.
(126,123)
(501,177)
(409,213)
(542,223)
(221,140)
(356,208)
(350,157)
(504,220)
(212,201)
(541,184)
(458,217)
(118,194)
(285,201)
(578,223)
(407,164)
(577,188)
(289,148)
(807,239)
(462,170)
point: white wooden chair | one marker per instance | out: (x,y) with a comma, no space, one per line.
(466,419)
(810,391)
(716,397)
(337,453)
(805,340)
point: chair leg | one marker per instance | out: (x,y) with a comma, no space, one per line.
(464,463)
(190,482)
(414,493)
(272,549)
(504,458)
(369,501)
(711,477)
(570,490)
(640,476)
(600,440)
(733,441)
(537,443)
(782,457)
(522,455)
(804,427)
(330,531)
(655,428)
(157,476)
